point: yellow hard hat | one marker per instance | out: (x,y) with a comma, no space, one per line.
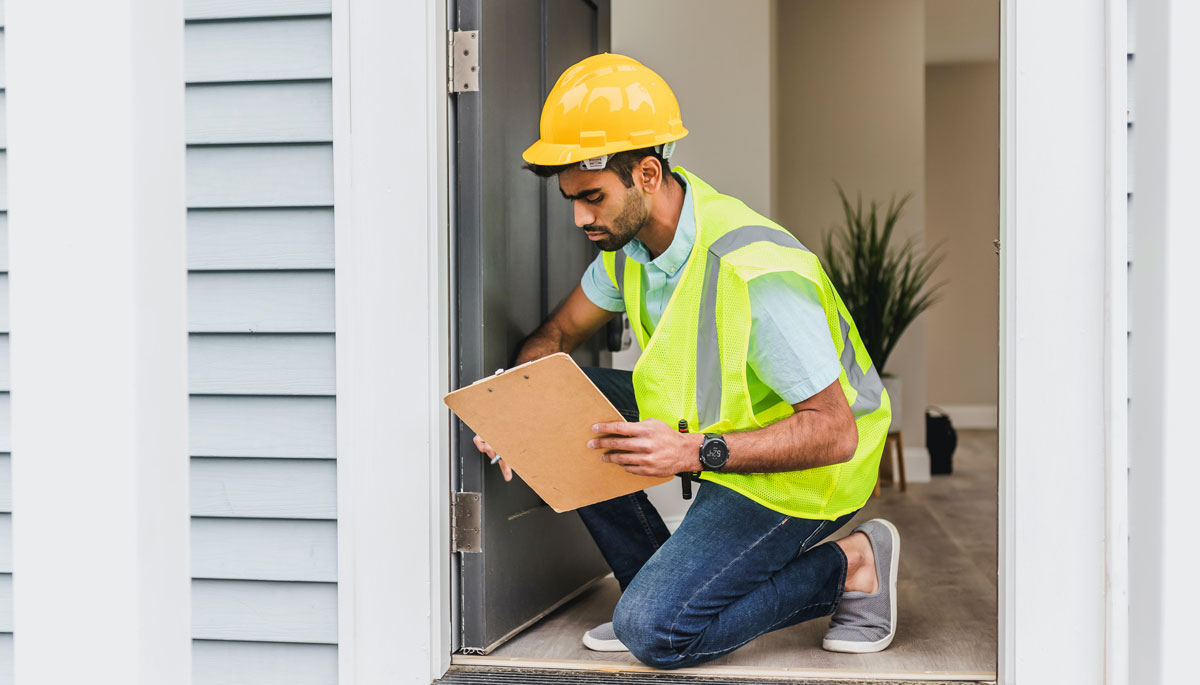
(605,104)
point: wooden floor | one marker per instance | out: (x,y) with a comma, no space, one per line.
(947,595)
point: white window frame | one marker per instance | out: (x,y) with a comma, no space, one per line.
(1062,574)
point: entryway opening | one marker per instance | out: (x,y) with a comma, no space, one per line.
(785,100)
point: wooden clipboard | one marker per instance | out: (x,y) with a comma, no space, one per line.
(539,417)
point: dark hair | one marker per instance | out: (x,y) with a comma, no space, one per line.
(620,163)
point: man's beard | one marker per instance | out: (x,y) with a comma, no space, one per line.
(626,225)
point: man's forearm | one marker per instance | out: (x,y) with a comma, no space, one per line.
(543,342)
(807,439)
(804,440)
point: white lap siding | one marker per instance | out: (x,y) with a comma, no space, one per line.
(261,345)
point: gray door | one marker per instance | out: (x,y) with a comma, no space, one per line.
(517,256)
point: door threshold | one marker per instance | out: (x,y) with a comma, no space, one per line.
(725,672)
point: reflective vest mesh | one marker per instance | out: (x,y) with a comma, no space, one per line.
(693,366)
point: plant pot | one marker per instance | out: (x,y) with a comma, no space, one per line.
(895,390)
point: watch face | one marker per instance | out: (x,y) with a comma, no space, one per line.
(714,454)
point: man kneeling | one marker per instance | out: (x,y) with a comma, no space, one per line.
(745,340)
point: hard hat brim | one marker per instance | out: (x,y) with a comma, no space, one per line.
(555,154)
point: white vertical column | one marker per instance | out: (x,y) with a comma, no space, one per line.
(98,294)
(1054,299)
(391,240)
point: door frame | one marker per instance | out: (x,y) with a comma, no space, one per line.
(392,281)
(1063,363)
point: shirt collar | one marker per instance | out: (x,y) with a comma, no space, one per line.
(676,255)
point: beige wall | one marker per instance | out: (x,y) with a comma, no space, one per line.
(851,107)
(958,31)
(716,55)
(962,209)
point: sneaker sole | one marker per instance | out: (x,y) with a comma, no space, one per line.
(603,645)
(852,647)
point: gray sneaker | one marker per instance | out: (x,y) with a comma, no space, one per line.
(602,638)
(866,622)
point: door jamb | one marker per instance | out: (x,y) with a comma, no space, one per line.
(392,356)
(1062,358)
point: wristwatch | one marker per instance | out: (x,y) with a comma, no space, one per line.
(713,452)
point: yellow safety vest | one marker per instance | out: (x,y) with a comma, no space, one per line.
(693,366)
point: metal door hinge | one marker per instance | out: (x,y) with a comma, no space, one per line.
(996,244)
(466,518)
(463,64)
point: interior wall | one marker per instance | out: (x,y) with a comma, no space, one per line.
(962,211)
(716,56)
(962,31)
(851,108)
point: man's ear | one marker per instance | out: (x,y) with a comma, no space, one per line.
(649,173)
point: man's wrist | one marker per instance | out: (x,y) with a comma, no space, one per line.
(537,348)
(691,451)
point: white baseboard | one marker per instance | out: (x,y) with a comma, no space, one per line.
(916,465)
(971,416)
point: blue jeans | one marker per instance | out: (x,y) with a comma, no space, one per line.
(733,570)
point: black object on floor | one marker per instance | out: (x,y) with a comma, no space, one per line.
(941,439)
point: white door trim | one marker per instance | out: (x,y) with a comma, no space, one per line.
(1116,343)
(390,233)
(1060,365)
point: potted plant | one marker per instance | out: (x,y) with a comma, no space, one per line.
(883,285)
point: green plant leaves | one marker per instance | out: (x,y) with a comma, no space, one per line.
(885,287)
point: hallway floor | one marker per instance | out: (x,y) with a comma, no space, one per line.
(947,596)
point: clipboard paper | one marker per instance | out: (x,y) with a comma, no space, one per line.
(539,417)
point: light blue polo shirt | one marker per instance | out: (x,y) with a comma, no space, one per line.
(790,348)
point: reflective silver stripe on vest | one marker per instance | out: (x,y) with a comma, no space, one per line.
(868,384)
(741,237)
(619,270)
(708,353)
(708,356)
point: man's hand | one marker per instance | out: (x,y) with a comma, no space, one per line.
(487,449)
(648,448)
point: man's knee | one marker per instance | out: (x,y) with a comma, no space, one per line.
(649,632)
